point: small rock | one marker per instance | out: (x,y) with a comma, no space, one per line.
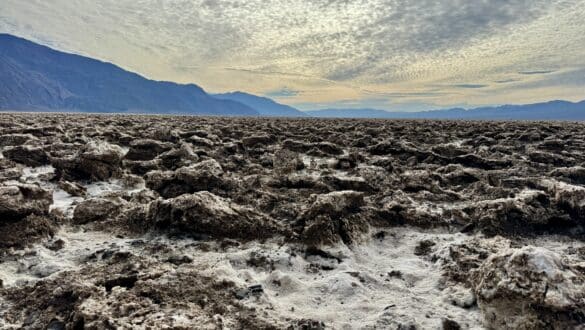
(56,325)
(424,247)
(96,209)
(179,260)
(147,149)
(252,141)
(450,325)
(395,274)
(73,188)
(251,290)
(56,245)
(256,289)
(287,161)
(329,148)
(25,231)
(306,324)
(242,294)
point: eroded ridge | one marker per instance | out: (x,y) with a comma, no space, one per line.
(115,221)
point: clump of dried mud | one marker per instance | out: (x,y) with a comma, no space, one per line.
(183,222)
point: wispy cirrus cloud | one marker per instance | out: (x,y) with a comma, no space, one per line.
(470,86)
(282,93)
(528,73)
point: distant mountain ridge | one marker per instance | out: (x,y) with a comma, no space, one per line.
(37,78)
(553,110)
(265,106)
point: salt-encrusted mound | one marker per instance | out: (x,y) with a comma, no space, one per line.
(97,161)
(97,209)
(18,201)
(29,230)
(100,160)
(530,288)
(24,214)
(147,149)
(178,157)
(206,175)
(332,218)
(521,214)
(27,154)
(16,139)
(204,213)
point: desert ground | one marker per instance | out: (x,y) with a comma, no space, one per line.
(153,222)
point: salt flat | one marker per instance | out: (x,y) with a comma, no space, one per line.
(166,222)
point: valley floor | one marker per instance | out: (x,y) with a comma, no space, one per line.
(247,223)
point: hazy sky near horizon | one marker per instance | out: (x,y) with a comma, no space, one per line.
(390,54)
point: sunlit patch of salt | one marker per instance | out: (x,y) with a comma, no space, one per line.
(41,262)
(358,292)
(103,187)
(35,174)
(315,163)
(458,143)
(66,203)
(4,322)
(440,208)
(355,293)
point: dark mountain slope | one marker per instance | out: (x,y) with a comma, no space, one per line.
(35,77)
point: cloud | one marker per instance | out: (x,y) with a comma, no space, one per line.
(327,49)
(506,81)
(573,77)
(282,93)
(470,86)
(528,73)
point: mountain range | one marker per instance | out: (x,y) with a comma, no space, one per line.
(34,77)
(553,110)
(37,78)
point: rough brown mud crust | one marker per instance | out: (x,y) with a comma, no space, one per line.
(125,291)
(147,221)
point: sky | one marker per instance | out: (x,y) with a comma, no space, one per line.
(400,55)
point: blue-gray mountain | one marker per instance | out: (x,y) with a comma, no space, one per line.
(38,78)
(554,110)
(265,106)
